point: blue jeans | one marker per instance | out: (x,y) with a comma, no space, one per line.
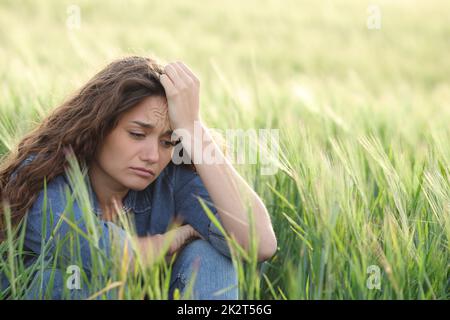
(213,274)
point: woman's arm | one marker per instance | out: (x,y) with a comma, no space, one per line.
(149,247)
(230,194)
(227,189)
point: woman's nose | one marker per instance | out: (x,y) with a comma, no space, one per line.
(151,152)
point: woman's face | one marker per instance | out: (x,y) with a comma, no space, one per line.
(141,139)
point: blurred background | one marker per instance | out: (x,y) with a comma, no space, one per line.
(359,91)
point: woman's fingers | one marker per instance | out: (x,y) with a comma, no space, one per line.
(168,85)
(189,72)
(171,72)
(178,80)
(182,73)
(182,96)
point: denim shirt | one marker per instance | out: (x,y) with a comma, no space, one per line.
(172,194)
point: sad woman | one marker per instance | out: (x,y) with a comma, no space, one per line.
(124,125)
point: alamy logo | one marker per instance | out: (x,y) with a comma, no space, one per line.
(374,17)
(73,20)
(373,281)
(73,281)
(249,146)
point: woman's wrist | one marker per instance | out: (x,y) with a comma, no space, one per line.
(184,235)
(151,246)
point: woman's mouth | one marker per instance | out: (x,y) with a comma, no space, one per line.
(146,173)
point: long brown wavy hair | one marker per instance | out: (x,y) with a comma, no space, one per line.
(80,123)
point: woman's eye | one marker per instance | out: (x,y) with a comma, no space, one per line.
(167,143)
(137,135)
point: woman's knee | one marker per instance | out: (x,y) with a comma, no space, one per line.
(202,252)
(213,274)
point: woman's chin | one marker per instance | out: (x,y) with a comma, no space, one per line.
(139,185)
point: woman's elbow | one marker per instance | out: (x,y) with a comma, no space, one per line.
(267,249)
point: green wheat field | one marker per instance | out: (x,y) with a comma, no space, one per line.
(360,202)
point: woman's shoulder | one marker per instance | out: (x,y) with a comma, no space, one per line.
(53,191)
(52,194)
(24,163)
(54,183)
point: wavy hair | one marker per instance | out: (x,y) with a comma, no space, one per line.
(79,124)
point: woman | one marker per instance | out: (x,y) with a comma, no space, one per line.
(124,126)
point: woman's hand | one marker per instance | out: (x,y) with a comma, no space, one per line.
(179,237)
(183,95)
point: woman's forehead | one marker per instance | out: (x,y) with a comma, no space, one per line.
(150,113)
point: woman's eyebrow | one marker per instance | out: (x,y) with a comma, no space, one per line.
(151,126)
(144,124)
